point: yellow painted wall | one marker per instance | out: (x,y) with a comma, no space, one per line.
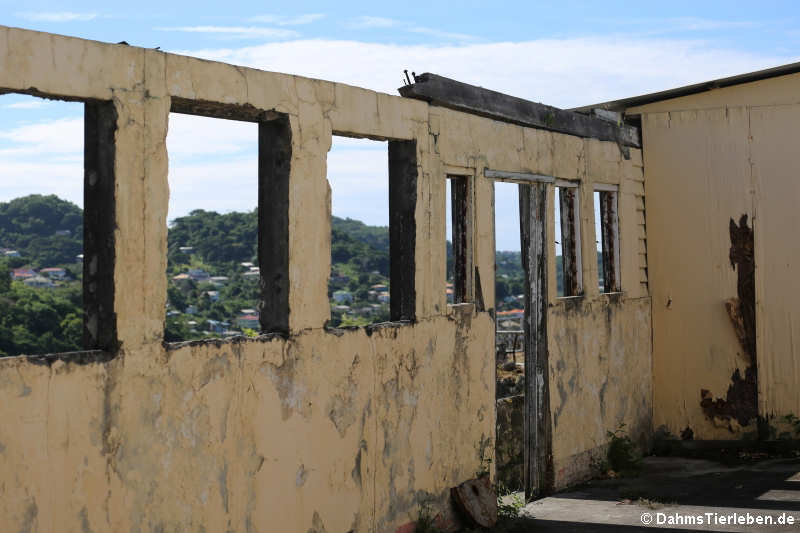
(322,431)
(710,158)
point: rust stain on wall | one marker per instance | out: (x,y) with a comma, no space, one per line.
(741,400)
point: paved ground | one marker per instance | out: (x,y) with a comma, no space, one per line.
(673,489)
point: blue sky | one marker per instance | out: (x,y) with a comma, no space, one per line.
(564,54)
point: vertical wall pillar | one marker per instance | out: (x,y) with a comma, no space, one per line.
(402,229)
(99,223)
(274,163)
(537,427)
(569,245)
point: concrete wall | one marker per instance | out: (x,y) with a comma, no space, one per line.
(600,344)
(711,158)
(322,430)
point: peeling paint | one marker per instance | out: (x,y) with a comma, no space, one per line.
(341,407)
(205,435)
(741,399)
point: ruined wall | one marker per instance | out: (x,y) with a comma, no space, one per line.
(320,431)
(720,171)
(600,344)
(316,431)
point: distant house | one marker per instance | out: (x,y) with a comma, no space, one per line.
(191,310)
(340,308)
(511,314)
(246,265)
(54,273)
(199,275)
(249,322)
(181,279)
(63,232)
(213,295)
(380,287)
(38,282)
(215,326)
(343,297)
(339,278)
(10,253)
(219,281)
(20,274)
(383,297)
(186,249)
(248,311)
(252,275)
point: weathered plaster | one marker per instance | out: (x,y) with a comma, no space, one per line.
(344,430)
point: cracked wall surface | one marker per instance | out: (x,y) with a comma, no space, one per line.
(318,430)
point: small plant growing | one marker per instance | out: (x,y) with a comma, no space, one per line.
(249,333)
(485,463)
(794,423)
(426,521)
(509,502)
(623,457)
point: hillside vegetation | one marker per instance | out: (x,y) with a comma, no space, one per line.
(47,232)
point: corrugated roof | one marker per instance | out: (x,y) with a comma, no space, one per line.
(625,103)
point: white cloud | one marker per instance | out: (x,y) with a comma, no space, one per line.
(373,22)
(29,176)
(560,72)
(221,186)
(369,22)
(59,137)
(62,16)
(443,35)
(682,24)
(236,32)
(282,20)
(191,136)
(43,158)
(358,173)
(28,104)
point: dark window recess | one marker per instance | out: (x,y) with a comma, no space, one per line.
(402,229)
(458,245)
(274,162)
(100,320)
(567,241)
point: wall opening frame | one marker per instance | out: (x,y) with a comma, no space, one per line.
(461,207)
(607,202)
(538,429)
(274,166)
(567,200)
(99,320)
(403,178)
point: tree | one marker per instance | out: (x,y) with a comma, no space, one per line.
(500,289)
(5,277)
(176,329)
(176,298)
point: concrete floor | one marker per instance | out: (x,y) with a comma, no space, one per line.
(675,488)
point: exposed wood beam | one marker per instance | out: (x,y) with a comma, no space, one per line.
(445,92)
